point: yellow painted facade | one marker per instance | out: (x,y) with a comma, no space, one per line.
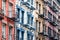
(40,21)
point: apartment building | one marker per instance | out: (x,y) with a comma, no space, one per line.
(25,29)
(39,17)
(59,25)
(7,16)
(29,19)
(52,7)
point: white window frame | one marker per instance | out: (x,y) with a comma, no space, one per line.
(4,7)
(3,30)
(10,33)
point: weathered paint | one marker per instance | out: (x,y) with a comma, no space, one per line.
(7,20)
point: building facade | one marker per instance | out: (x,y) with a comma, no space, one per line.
(52,19)
(29,19)
(25,29)
(39,20)
(7,14)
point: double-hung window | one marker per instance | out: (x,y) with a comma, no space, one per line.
(22,0)
(49,31)
(44,11)
(28,19)
(22,17)
(3,30)
(36,24)
(10,32)
(54,19)
(17,35)
(18,12)
(36,5)
(39,8)
(4,7)
(54,33)
(29,36)
(31,20)
(31,2)
(20,35)
(39,26)
(44,28)
(10,10)
(49,16)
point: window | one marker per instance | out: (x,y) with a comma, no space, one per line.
(10,10)
(49,31)
(4,7)
(54,18)
(44,28)
(19,34)
(31,20)
(22,35)
(29,36)
(36,5)
(44,12)
(18,12)
(39,26)
(22,16)
(28,19)
(49,15)
(3,30)
(39,7)
(36,24)
(10,32)
(32,2)
(54,33)
(54,4)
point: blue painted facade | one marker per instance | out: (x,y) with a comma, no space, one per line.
(20,34)
(25,18)
(28,3)
(25,22)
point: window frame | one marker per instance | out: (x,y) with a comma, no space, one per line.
(49,15)
(49,31)
(10,32)
(36,24)
(36,5)
(39,25)
(4,7)
(4,31)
